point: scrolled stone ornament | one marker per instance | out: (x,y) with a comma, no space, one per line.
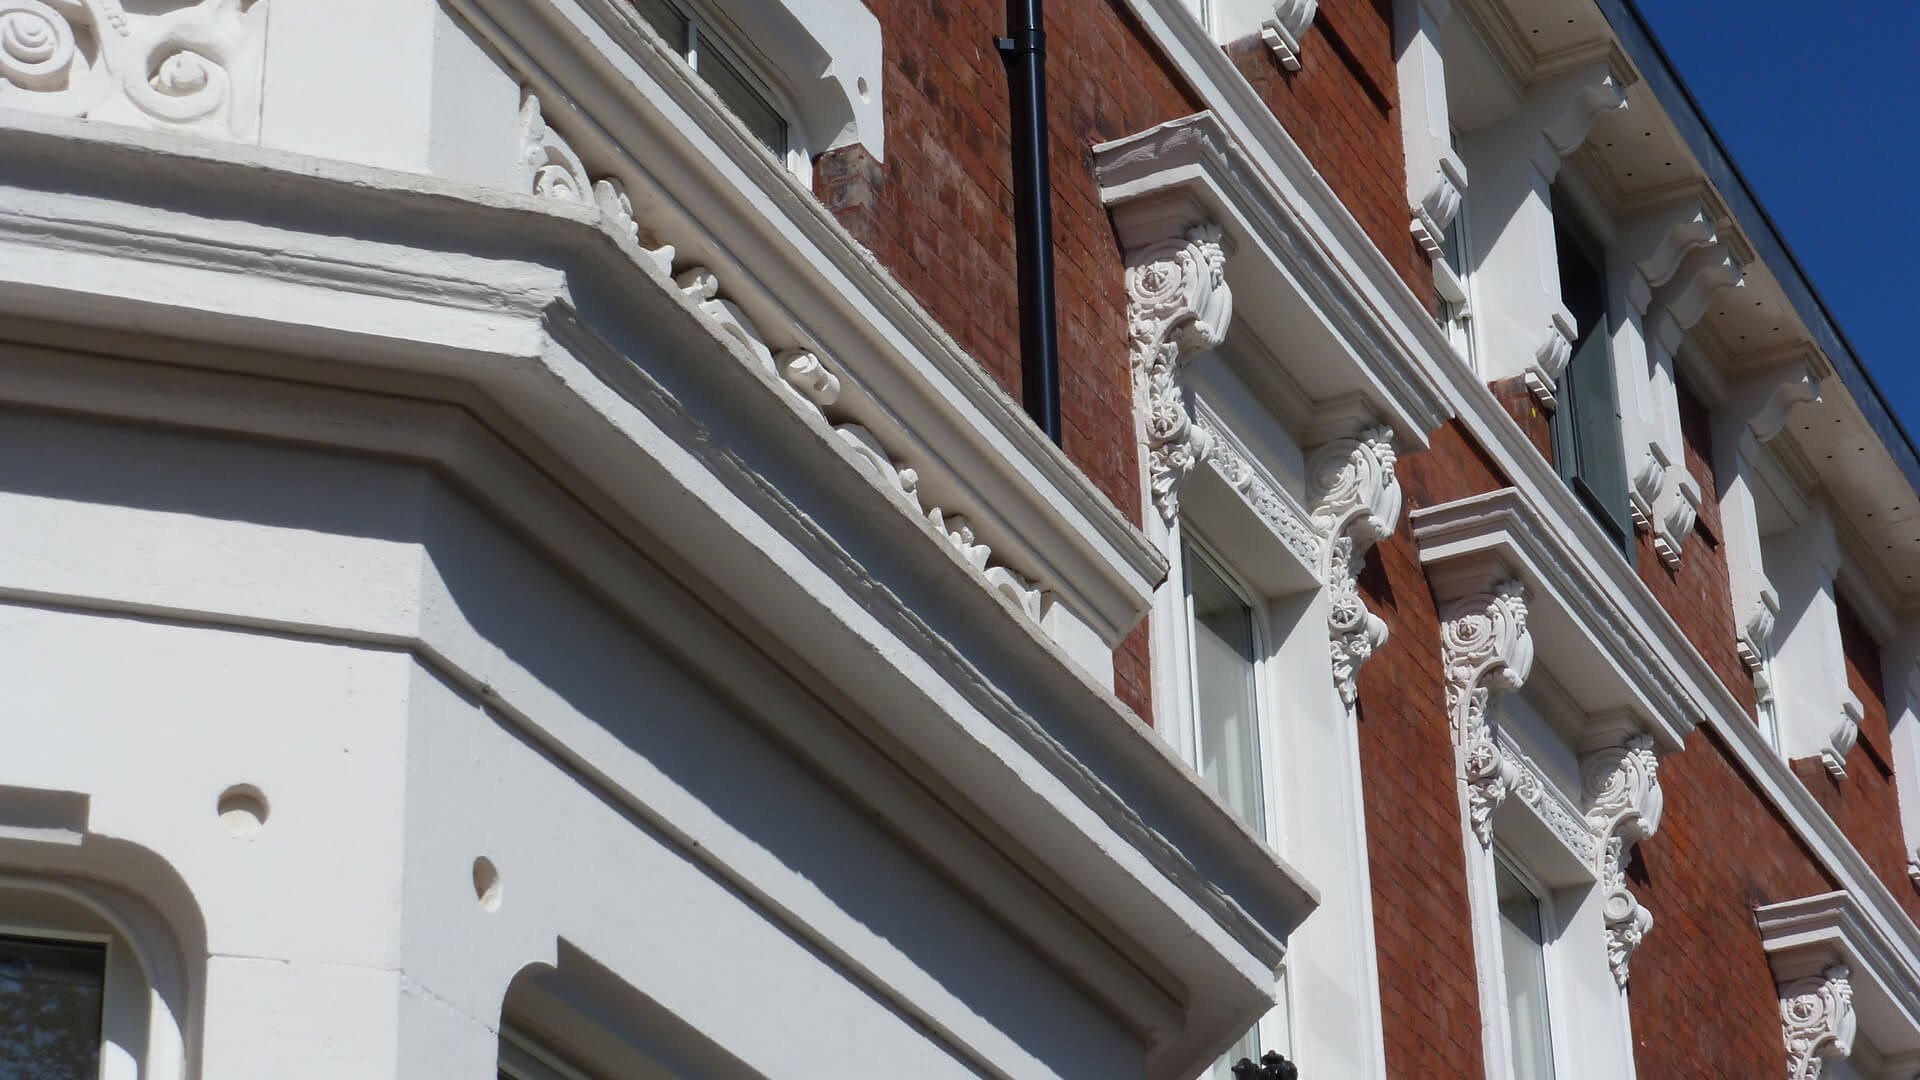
(1178,304)
(37,45)
(1621,788)
(1486,650)
(1355,502)
(1816,1018)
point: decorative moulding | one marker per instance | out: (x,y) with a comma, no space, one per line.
(1833,756)
(1438,206)
(1805,941)
(552,169)
(1666,237)
(1355,500)
(1268,500)
(1486,650)
(1756,630)
(1283,31)
(1648,480)
(1621,788)
(1687,295)
(1817,1020)
(1550,359)
(1578,629)
(1178,304)
(171,65)
(1532,789)
(1339,342)
(1575,103)
(1682,500)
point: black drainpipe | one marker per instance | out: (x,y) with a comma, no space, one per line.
(1025,54)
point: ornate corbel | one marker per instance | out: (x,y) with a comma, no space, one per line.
(1833,756)
(1666,240)
(1437,208)
(1550,359)
(1647,482)
(1621,788)
(1283,31)
(1355,501)
(1701,273)
(1486,649)
(1756,630)
(1178,304)
(1676,522)
(1816,1018)
(1588,95)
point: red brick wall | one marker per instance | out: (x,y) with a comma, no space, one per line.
(1866,805)
(1428,990)
(1701,994)
(1699,595)
(1342,107)
(1534,421)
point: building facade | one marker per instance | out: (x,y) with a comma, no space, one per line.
(522,555)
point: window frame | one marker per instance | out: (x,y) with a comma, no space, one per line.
(109,982)
(1552,929)
(706,29)
(1188,539)
(1597,473)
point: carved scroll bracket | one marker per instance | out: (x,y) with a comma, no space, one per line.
(1355,503)
(1487,650)
(1178,304)
(1620,786)
(1817,1020)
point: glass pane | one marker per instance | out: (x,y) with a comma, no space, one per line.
(1523,954)
(666,20)
(1223,690)
(741,97)
(50,997)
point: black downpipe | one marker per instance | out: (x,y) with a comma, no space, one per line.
(1025,53)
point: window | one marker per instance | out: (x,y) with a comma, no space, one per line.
(1523,955)
(721,68)
(52,996)
(1223,646)
(1587,445)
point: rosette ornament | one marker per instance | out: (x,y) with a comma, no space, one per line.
(1621,787)
(1816,1017)
(1355,500)
(1178,304)
(1487,650)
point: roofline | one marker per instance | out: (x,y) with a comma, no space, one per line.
(1663,78)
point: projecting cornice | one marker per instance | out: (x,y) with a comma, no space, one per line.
(1818,942)
(1579,632)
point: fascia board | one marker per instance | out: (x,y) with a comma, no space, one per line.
(1269,251)
(1640,45)
(1503,524)
(1163,859)
(1802,935)
(707,187)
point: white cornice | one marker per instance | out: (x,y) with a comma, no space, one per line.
(1803,937)
(702,184)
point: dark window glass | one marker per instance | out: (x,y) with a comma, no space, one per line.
(667,20)
(1586,426)
(50,1000)
(740,96)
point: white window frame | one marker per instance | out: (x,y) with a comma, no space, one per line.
(1189,538)
(707,30)
(1552,929)
(130,1006)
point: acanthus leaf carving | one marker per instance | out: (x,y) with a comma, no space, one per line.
(1644,491)
(1676,522)
(552,170)
(1287,520)
(1621,787)
(1178,304)
(1840,743)
(1817,1020)
(187,66)
(1486,650)
(1355,499)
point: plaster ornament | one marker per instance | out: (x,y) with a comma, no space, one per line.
(1757,631)
(1676,523)
(1486,649)
(1817,1020)
(1355,500)
(552,170)
(1621,788)
(1644,491)
(1597,91)
(1178,304)
(1283,31)
(1673,234)
(1840,742)
(1436,210)
(806,374)
(185,66)
(1280,514)
(1550,359)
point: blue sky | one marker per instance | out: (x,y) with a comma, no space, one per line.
(1817,102)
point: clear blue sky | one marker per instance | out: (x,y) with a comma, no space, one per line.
(1819,103)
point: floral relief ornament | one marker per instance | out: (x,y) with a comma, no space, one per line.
(1356,503)
(1178,304)
(1487,650)
(188,66)
(1816,1018)
(1621,787)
